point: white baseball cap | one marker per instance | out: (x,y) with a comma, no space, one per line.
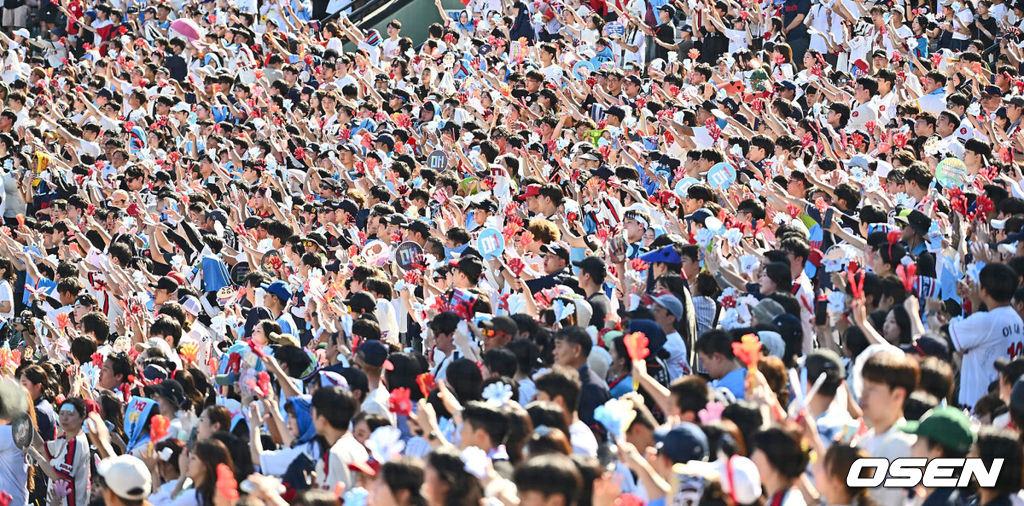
(192,305)
(738,476)
(126,476)
(22,32)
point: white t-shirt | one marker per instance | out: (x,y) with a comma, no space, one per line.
(389,48)
(891,444)
(737,40)
(344,452)
(983,337)
(861,115)
(7,294)
(582,439)
(552,73)
(377,402)
(276,462)
(677,357)
(13,468)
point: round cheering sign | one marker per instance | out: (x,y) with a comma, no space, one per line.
(238,272)
(615,29)
(684,184)
(408,254)
(490,243)
(721,175)
(437,160)
(271,261)
(22,431)
(951,173)
(581,66)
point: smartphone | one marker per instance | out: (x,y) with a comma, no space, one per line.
(821,310)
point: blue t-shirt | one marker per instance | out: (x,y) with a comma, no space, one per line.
(734,381)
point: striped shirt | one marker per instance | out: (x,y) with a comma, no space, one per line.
(70,460)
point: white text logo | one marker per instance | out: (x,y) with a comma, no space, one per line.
(908,472)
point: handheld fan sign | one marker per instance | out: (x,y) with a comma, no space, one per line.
(748,350)
(908,275)
(636,346)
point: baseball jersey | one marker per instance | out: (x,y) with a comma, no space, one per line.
(70,459)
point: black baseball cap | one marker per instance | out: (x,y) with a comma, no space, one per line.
(361,301)
(419,226)
(930,345)
(591,265)
(168,389)
(556,248)
(682,443)
(502,324)
(373,353)
(166,283)
(1012,370)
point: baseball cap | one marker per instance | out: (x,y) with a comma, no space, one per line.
(486,205)
(192,305)
(166,283)
(556,248)
(929,345)
(503,324)
(945,425)
(283,339)
(126,476)
(699,215)
(532,190)
(22,32)
(682,443)
(373,353)
(217,215)
(671,303)
(280,290)
(824,361)
(168,389)
(737,474)
(1011,369)
(665,255)
(1017,397)
(418,226)
(591,265)
(992,91)
(361,301)
(348,206)
(766,310)
(917,220)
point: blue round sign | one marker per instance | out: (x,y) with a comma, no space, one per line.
(721,175)
(683,184)
(580,65)
(490,243)
(615,29)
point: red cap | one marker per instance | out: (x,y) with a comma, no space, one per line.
(531,191)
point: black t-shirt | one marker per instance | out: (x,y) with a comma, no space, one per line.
(714,45)
(990,26)
(599,305)
(666,33)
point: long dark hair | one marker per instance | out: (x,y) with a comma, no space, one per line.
(838,460)
(211,453)
(463,488)
(404,474)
